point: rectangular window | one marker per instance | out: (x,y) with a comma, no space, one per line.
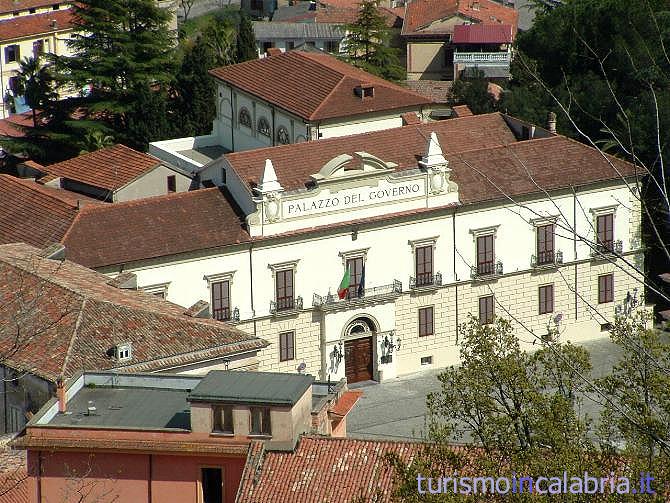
(172,183)
(223,419)
(284,284)
(605,288)
(221,300)
(486,312)
(256,4)
(423,265)
(605,229)
(545,244)
(546,294)
(355,266)
(426,360)
(55,6)
(332,46)
(212,485)
(425,321)
(290,45)
(12,53)
(38,48)
(223,176)
(485,256)
(260,421)
(286,346)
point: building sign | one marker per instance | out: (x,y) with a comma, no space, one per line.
(385,192)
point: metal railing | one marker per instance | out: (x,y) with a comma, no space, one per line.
(486,269)
(422,280)
(608,247)
(481,57)
(546,259)
(286,304)
(323,300)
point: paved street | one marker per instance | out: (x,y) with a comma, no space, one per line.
(397,408)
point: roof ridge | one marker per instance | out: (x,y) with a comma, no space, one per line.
(327,98)
(75,332)
(34,186)
(145,200)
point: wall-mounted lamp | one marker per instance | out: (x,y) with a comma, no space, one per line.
(336,356)
(388,346)
(354,234)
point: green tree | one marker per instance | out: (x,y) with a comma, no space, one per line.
(149,119)
(246,40)
(367,43)
(221,35)
(36,84)
(95,139)
(195,90)
(473,92)
(119,46)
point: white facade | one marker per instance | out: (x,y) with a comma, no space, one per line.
(428,214)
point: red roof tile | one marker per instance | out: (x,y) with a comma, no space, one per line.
(346,402)
(419,15)
(13,126)
(108,168)
(483,34)
(435,90)
(13,473)
(320,86)
(462,111)
(72,316)
(19,5)
(35,24)
(323,470)
(153,227)
(295,163)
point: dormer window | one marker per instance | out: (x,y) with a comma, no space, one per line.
(260,421)
(364,91)
(123,352)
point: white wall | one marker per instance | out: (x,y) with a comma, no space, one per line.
(153,183)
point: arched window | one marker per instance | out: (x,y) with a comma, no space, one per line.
(264,127)
(282,136)
(245,117)
(300,138)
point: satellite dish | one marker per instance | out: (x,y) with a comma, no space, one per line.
(558,318)
(302,367)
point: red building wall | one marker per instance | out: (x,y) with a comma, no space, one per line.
(133,478)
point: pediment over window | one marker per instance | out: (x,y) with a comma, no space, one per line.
(360,164)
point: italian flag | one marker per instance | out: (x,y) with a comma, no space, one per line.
(344,284)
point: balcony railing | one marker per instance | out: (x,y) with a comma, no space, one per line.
(287,304)
(482,57)
(225,314)
(330,299)
(607,248)
(486,269)
(545,259)
(425,280)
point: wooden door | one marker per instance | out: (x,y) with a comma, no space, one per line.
(358,359)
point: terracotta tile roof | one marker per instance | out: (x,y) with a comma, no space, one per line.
(333,11)
(13,126)
(470,143)
(72,317)
(436,91)
(404,146)
(13,473)
(323,470)
(35,214)
(419,15)
(346,402)
(483,34)
(108,168)
(320,86)
(462,111)
(154,227)
(36,24)
(19,5)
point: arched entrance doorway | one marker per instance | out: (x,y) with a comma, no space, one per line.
(359,350)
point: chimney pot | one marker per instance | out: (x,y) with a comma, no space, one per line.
(551,122)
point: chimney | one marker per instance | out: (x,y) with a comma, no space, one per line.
(60,395)
(475,5)
(551,122)
(55,251)
(273,51)
(54,24)
(124,281)
(198,310)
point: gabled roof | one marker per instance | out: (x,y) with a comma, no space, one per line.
(154,227)
(68,317)
(315,86)
(332,11)
(311,31)
(483,34)
(323,470)
(36,24)
(484,155)
(419,14)
(109,168)
(35,214)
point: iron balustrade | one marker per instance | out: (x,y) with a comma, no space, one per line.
(329,298)
(427,279)
(485,269)
(286,304)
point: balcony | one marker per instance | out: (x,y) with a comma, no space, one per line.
(547,259)
(287,305)
(482,58)
(486,270)
(425,281)
(374,294)
(225,314)
(607,249)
